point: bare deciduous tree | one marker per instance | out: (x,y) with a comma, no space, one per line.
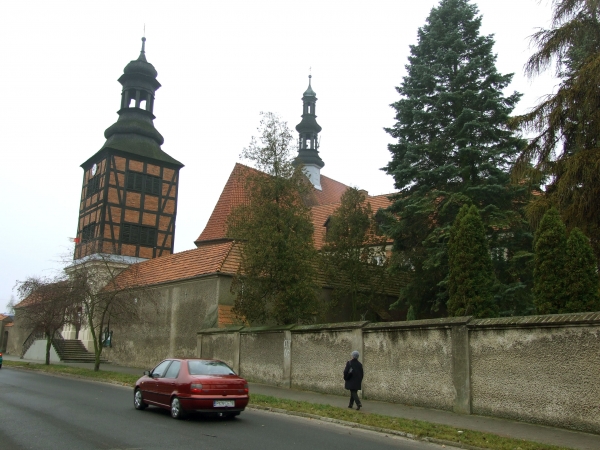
(108,288)
(46,305)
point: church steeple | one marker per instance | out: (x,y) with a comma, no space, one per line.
(129,195)
(308,141)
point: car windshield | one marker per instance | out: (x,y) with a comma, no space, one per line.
(198,367)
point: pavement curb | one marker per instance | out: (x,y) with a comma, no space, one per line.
(367,427)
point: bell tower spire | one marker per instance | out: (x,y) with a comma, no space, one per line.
(129,195)
(308,140)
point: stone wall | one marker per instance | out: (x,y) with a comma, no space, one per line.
(168,323)
(540,369)
(18,334)
(543,369)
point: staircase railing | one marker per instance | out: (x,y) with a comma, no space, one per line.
(34,336)
(58,341)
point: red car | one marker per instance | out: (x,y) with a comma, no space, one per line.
(192,385)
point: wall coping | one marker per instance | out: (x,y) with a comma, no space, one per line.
(267,329)
(230,329)
(445,322)
(329,326)
(549,320)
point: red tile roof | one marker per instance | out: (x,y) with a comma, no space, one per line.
(220,257)
(216,253)
(331,192)
(235,194)
(320,214)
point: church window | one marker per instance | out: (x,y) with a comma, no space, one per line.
(137,234)
(141,182)
(88,233)
(93,186)
(143,104)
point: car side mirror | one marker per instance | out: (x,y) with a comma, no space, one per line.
(147,373)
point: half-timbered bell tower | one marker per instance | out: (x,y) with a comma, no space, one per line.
(129,195)
(308,140)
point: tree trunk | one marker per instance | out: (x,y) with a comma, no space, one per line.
(48,345)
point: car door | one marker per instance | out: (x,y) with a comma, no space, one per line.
(166,384)
(150,388)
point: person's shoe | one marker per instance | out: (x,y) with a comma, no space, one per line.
(358,407)
(350,406)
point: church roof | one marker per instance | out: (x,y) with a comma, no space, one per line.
(321,213)
(235,194)
(223,257)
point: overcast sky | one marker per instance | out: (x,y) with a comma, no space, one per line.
(220,64)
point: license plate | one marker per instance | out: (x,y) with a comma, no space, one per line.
(224,403)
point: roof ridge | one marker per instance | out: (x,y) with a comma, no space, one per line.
(225,256)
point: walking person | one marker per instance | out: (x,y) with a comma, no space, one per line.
(353,374)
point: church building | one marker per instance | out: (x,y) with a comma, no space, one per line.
(127,217)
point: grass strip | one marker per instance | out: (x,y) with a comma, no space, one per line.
(416,428)
(124,379)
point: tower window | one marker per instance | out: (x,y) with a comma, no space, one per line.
(141,182)
(93,186)
(137,234)
(143,104)
(88,233)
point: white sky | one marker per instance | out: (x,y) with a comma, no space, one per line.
(220,63)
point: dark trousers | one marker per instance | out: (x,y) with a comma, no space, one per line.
(354,398)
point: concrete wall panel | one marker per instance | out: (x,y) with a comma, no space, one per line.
(542,375)
(167,326)
(410,366)
(319,358)
(261,357)
(220,346)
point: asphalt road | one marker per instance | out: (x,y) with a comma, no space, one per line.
(40,411)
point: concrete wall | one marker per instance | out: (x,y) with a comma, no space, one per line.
(37,351)
(543,369)
(397,358)
(540,369)
(168,323)
(263,355)
(18,334)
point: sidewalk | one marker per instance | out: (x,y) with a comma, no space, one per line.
(501,427)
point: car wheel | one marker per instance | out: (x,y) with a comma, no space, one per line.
(176,411)
(138,400)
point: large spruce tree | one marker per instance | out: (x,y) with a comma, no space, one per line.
(453,148)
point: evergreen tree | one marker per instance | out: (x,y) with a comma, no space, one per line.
(565,151)
(550,265)
(582,275)
(471,276)
(276,279)
(453,148)
(354,257)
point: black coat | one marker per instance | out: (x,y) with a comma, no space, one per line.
(354,378)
